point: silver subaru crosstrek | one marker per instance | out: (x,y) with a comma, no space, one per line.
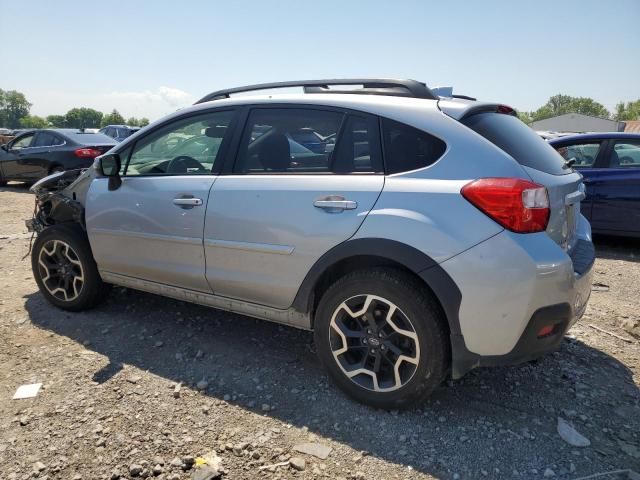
(418,236)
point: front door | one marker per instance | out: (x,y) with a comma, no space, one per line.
(151,227)
(16,160)
(286,204)
(616,206)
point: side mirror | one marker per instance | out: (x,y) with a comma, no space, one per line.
(109,166)
(4,147)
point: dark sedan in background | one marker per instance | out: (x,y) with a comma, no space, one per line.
(36,154)
(610,164)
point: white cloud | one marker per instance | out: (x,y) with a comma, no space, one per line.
(152,104)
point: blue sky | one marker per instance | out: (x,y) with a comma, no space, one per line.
(147,58)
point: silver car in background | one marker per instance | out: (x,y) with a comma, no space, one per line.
(418,236)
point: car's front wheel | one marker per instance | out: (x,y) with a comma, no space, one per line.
(64,268)
(382,337)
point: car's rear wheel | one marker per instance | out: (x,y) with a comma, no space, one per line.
(382,338)
(64,268)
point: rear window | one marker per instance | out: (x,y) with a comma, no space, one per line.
(89,138)
(521,142)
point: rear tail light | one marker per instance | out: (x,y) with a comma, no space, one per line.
(518,205)
(87,152)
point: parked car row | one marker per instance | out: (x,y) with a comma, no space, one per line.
(38,153)
(29,154)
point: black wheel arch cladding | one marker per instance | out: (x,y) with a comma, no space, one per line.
(433,275)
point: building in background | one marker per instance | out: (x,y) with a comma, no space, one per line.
(576,122)
(632,126)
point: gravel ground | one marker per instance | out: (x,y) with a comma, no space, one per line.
(144,385)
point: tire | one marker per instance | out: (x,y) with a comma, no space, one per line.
(64,249)
(424,341)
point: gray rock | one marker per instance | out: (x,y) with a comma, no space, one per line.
(158,460)
(176,462)
(39,466)
(298,463)
(205,473)
(135,470)
(24,420)
(135,379)
(571,435)
(315,449)
(157,469)
(115,474)
(176,390)
(549,473)
(202,384)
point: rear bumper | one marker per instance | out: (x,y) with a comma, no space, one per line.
(511,286)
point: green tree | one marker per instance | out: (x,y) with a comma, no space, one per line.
(525,117)
(628,111)
(33,121)
(133,122)
(13,106)
(113,118)
(3,115)
(143,122)
(562,104)
(56,121)
(83,118)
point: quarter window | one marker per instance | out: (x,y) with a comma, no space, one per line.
(626,154)
(407,148)
(189,146)
(288,140)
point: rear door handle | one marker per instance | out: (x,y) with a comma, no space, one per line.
(187,202)
(335,203)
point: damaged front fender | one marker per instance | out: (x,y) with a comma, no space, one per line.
(60,199)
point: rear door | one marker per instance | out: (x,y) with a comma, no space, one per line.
(616,207)
(151,227)
(284,205)
(45,148)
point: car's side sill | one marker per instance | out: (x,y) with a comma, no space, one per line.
(290,316)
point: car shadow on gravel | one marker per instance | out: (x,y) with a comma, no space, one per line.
(16,187)
(501,418)
(617,248)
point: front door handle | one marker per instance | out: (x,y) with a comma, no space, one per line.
(335,203)
(187,202)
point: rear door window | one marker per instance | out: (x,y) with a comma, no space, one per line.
(47,139)
(625,154)
(508,133)
(584,155)
(272,142)
(358,150)
(407,148)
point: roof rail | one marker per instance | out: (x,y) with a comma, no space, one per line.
(370,86)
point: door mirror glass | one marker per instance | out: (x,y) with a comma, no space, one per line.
(110,165)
